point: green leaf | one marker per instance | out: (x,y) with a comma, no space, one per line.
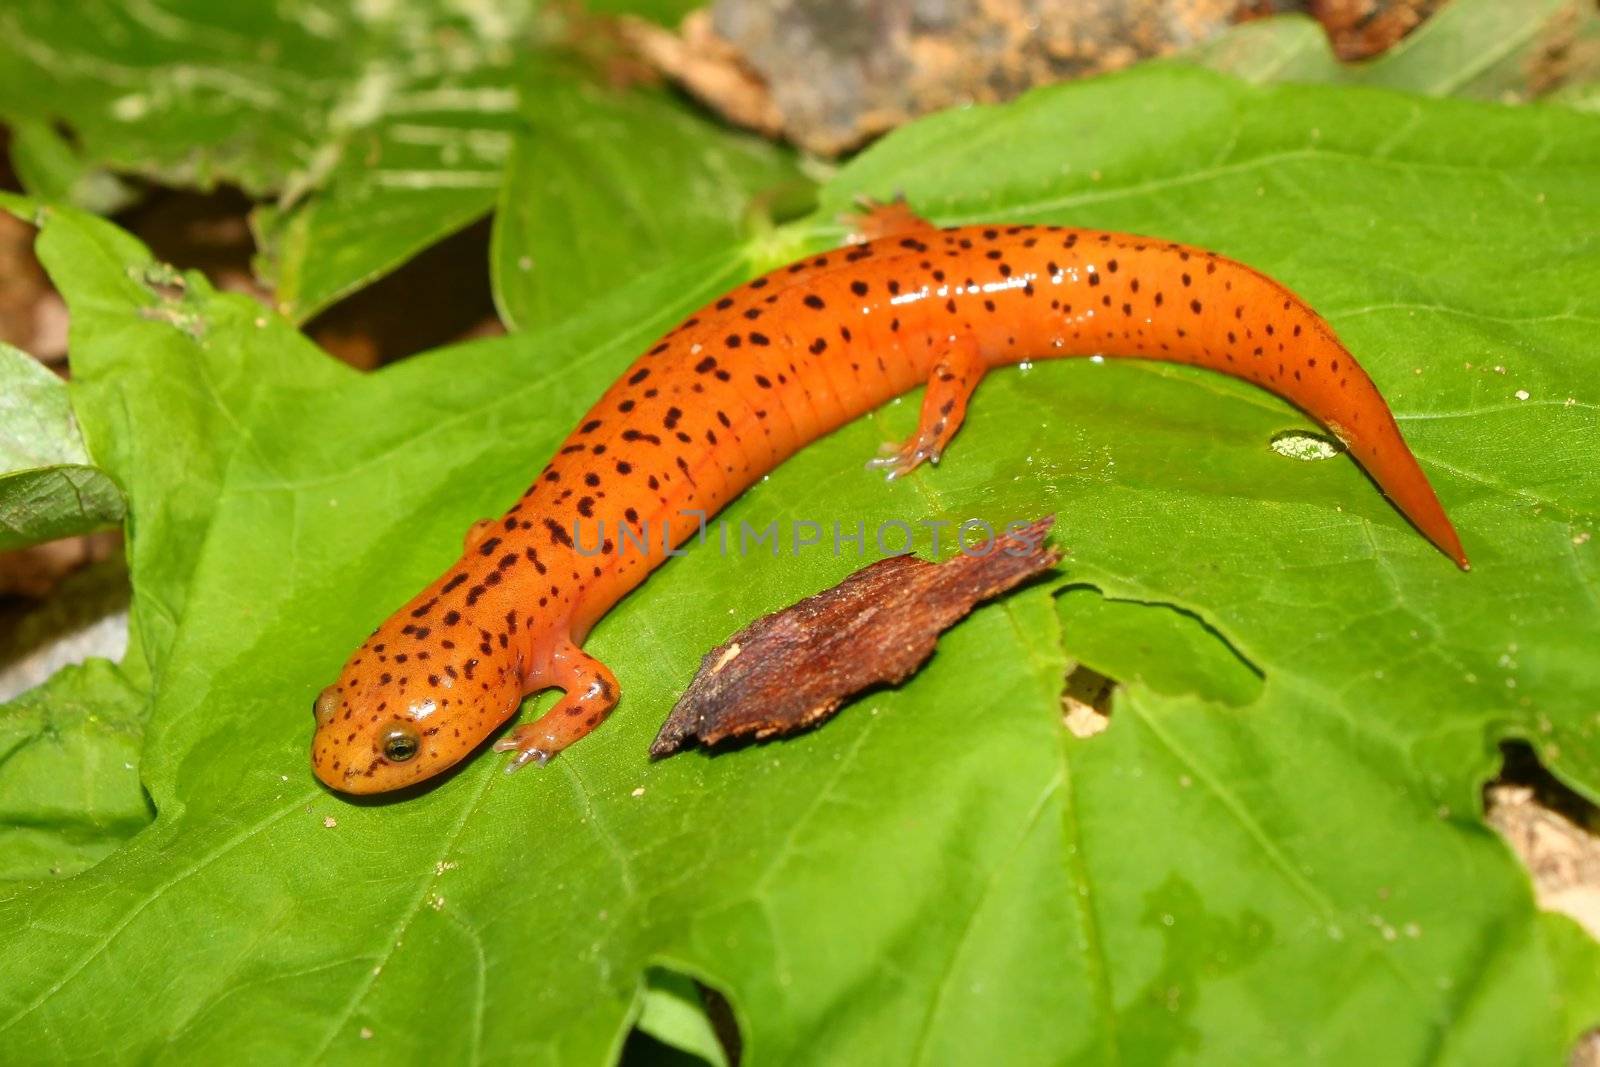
(672,1014)
(604,186)
(942,873)
(69,778)
(49,487)
(51,169)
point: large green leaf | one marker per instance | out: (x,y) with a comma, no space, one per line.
(604,186)
(1282,864)
(48,486)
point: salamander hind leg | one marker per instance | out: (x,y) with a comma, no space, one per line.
(877,218)
(590,694)
(955,375)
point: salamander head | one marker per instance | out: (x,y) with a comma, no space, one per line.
(405,709)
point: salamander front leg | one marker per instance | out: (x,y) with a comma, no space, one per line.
(944,405)
(591,693)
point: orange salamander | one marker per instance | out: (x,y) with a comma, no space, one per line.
(744,383)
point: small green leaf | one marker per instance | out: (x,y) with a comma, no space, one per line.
(606,185)
(673,1014)
(51,169)
(49,487)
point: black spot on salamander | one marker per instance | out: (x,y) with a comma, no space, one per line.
(453,583)
(639,375)
(488,547)
(558,534)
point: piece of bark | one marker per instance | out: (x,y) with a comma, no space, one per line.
(794,668)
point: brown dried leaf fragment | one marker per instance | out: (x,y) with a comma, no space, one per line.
(794,668)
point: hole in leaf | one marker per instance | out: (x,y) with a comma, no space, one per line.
(682,1023)
(438,296)
(1552,829)
(1305,445)
(1086,701)
(1163,647)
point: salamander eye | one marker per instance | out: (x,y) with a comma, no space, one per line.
(401,743)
